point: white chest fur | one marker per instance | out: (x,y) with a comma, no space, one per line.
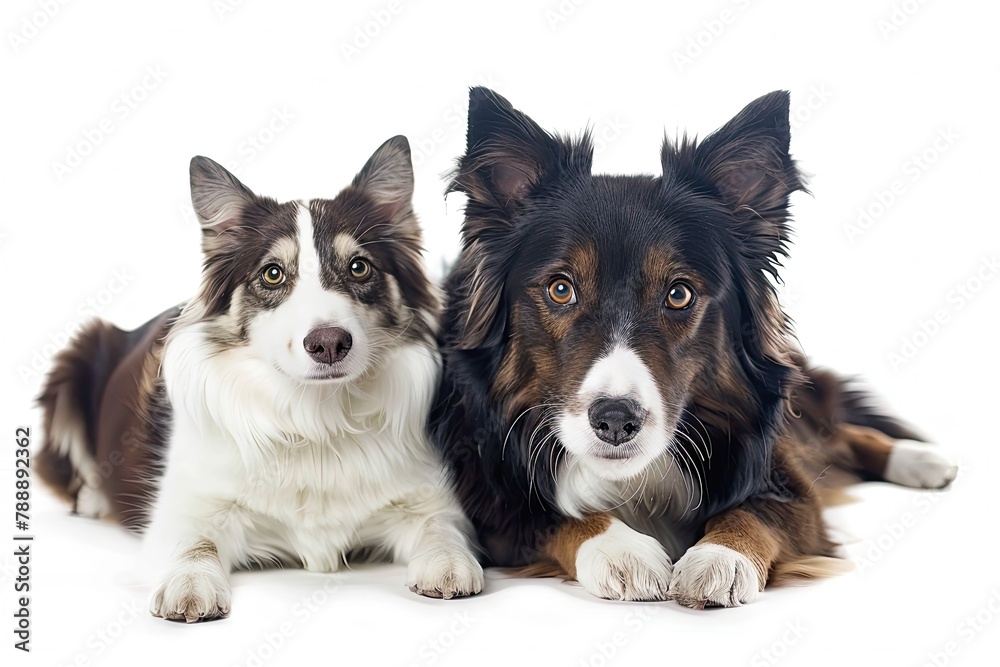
(272,470)
(654,502)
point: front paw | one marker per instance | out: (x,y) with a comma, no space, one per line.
(715,576)
(623,564)
(445,573)
(192,592)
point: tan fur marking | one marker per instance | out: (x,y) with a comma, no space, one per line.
(800,570)
(563,546)
(202,550)
(522,389)
(286,251)
(583,262)
(660,267)
(657,266)
(530,368)
(871,448)
(743,532)
(581,265)
(345,245)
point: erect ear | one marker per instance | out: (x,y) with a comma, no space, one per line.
(746,162)
(507,154)
(219,199)
(747,166)
(388,178)
(508,158)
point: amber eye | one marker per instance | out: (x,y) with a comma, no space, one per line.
(680,296)
(272,275)
(561,292)
(360,269)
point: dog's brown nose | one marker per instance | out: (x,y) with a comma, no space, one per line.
(616,420)
(328,345)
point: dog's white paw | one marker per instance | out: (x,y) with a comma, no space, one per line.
(445,573)
(919,465)
(193,591)
(715,576)
(623,564)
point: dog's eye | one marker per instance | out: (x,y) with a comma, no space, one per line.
(561,292)
(680,296)
(272,275)
(360,269)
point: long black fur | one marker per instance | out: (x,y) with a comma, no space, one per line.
(529,192)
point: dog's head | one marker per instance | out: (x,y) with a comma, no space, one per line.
(630,317)
(316,289)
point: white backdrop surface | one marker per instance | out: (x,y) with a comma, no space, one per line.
(893,276)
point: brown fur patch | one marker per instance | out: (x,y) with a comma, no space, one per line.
(839,439)
(582,268)
(660,270)
(582,265)
(801,570)
(107,380)
(70,404)
(517,378)
(543,569)
(531,369)
(743,532)
(785,540)
(129,435)
(571,535)
(202,550)
(871,448)
(834,497)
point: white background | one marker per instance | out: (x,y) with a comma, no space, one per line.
(868,96)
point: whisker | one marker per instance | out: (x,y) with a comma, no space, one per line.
(503,448)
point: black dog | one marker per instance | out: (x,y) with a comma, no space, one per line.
(620,389)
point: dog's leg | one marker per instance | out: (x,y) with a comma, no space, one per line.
(728,567)
(428,532)
(904,462)
(763,538)
(610,560)
(442,564)
(195,586)
(190,548)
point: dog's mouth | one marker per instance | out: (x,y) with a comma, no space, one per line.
(321,374)
(615,454)
(331,376)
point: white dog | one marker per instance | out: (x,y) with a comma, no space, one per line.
(279,417)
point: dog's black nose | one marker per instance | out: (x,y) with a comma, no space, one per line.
(328,345)
(616,420)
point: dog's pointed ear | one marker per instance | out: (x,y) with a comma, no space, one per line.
(508,154)
(747,166)
(508,158)
(387,177)
(746,161)
(218,197)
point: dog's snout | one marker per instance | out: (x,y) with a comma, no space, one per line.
(328,345)
(616,420)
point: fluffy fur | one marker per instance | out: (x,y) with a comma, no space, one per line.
(614,347)
(278,418)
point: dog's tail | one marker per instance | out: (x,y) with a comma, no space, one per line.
(861,408)
(71,403)
(854,435)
